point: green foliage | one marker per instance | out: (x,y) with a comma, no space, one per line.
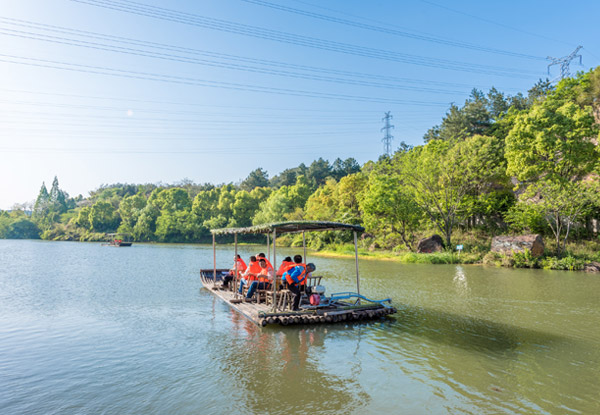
(567,263)
(256,178)
(389,205)
(103,217)
(460,183)
(18,226)
(525,218)
(446,178)
(551,152)
(524,260)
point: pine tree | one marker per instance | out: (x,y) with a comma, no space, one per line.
(40,209)
(58,199)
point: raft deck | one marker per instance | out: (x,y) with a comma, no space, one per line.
(263,314)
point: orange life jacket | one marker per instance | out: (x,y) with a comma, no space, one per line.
(301,277)
(264,277)
(258,258)
(241,265)
(253,268)
(285,265)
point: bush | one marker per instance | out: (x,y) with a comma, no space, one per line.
(568,263)
(493,258)
(524,260)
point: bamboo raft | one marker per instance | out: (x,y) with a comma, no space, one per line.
(274,306)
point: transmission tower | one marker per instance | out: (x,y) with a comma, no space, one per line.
(564,62)
(387,138)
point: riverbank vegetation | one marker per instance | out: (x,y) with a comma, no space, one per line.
(498,164)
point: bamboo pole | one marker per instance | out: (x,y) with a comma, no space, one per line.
(268,248)
(356,261)
(304,246)
(275,278)
(214,261)
(235,275)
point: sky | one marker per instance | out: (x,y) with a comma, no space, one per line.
(115,91)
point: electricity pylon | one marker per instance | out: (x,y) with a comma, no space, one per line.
(387,138)
(564,62)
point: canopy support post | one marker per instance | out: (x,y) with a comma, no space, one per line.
(268,248)
(304,246)
(236,262)
(214,261)
(356,261)
(275,277)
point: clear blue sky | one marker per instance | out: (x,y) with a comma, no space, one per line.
(105,91)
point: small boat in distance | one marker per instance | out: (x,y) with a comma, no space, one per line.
(118,239)
(273,305)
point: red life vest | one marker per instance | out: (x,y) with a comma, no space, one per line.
(301,277)
(285,265)
(258,258)
(253,268)
(241,265)
(264,278)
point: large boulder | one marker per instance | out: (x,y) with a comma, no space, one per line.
(592,267)
(508,244)
(434,243)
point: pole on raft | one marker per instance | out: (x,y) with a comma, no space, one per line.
(268,248)
(274,278)
(304,246)
(356,261)
(235,275)
(236,262)
(214,261)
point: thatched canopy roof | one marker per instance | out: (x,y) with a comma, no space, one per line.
(289,227)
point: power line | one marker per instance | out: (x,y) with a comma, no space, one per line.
(262,33)
(190,60)
(99,70)
(391,31)
(387,138)
(564,62)
(494,22)
(269,64)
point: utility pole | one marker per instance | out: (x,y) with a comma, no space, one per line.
(564,62)
(387,138)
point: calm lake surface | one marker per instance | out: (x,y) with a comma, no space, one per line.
(90,329)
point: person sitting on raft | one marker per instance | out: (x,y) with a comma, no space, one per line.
(265,278)
(241,267)
(262,255)
(285,265)
(295,277)
(250,274)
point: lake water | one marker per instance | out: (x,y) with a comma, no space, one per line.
(90,329)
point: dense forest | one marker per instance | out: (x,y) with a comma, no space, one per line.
(497,164)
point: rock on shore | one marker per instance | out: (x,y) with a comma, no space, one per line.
(434,243)
(508,244)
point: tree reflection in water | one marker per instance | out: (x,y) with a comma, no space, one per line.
(279,370)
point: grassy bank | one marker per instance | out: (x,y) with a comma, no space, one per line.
(574,259)
(345,251)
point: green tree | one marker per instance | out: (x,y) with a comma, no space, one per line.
(443,176)
(130,210)
(551,152)
(318,172)
(83,218)
(42,202)
(256,178)
(388,204)
(57,198)
(103,217)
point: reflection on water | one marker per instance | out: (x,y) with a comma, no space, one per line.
(91,329)
(281,371)
(460,282)
(471,333)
